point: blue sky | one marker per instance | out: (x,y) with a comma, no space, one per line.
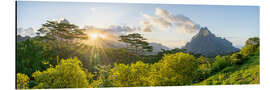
(235,23)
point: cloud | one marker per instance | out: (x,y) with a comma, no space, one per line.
(112,32)
(115,29)
(165,19)
(185,24)
(32,32)
(146,26)
(162,13)
(93,10)
(26,32)
(161,22)
(121,29)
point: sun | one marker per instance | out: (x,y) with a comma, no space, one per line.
(97,35)
(97,38)
(101,35)
(94,35)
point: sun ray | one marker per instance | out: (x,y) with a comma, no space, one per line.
(98,41)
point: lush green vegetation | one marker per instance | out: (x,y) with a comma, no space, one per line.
(22,81)
(248,73)
(58,60)
(67,74)
(245,67)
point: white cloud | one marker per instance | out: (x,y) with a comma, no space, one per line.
(121,29)
(161,22)
(165,19)
(92,10)
(146,26)
(115,29)
(26,32)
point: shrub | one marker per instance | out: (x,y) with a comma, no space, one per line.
(101,77)
(220,63)
(248,49)
(252,46)
(130,75)
(174,69)
(204,68)
(22,81)
(68,74)
(237,58)
(30,56)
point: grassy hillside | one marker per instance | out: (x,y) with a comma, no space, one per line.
(248,73)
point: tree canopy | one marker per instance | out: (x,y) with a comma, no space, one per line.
(54,30)
(22,81)
(136,41)
(67,74)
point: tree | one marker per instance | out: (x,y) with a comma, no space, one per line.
(237,58)
(136,42)
(174,69)
(102,76)
(221,62)
(22,81)
(67,74)
(155,58)
(252,46)
(63,37)
(253,41)
(203,60)
(204,68)
(120,74)
(63,31)
(60,34)
(32,55)
(120,55)
(133,75)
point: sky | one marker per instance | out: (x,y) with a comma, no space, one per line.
(172,25)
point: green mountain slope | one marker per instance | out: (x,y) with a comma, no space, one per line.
(248,73)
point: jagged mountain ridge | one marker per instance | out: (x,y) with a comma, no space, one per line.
(207,44)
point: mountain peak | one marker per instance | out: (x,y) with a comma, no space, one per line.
(204,31)
(208,44)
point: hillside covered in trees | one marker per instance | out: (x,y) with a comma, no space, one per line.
(60,56)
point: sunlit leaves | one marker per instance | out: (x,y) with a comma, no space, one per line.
(175,69)
(130,75)
(248,73)
(22,81)
(68,74)
(252,46)
(221,62)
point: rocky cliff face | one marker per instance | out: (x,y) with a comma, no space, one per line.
(208,44)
